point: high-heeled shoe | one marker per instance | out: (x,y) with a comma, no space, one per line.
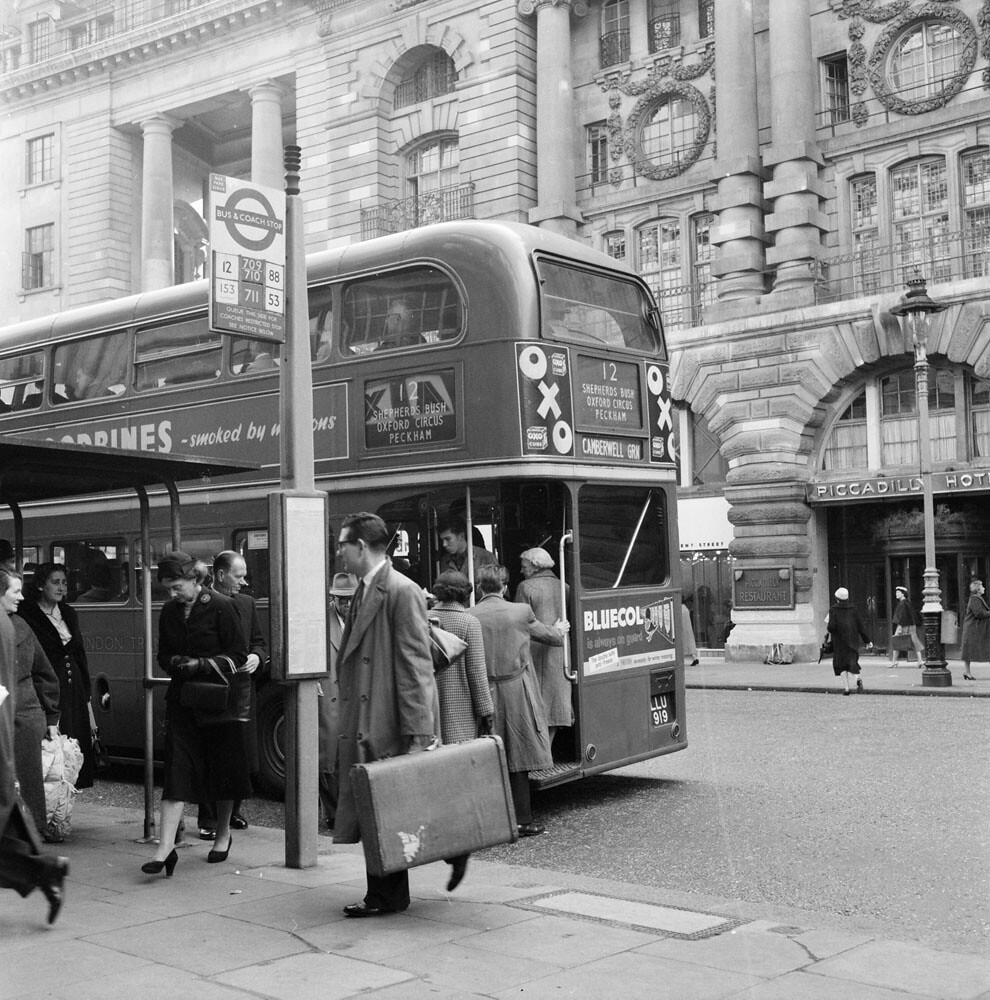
(968,677)
(215,856)
(154,867)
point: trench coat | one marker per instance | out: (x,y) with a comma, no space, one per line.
(37,709)
(327,720)
(254,635)
(542,593)
(847,630)
(463,686)
(519,717)
(385,684)
(976,631)
(8,679)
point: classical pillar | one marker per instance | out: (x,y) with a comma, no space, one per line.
(157,222)
(266,134)
(738,234)
(795,192)
(556,189)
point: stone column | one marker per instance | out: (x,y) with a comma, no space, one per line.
(738,234)
(556,190)
(266,135)
(795,191)
(157,222)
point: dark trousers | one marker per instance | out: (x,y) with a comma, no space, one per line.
(22,865)
(388,892)
(328,796)
(519,786)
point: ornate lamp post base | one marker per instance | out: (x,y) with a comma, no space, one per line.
(936,672)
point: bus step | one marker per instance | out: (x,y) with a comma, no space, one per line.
(560,773)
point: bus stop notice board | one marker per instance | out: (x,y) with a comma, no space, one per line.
(247,259)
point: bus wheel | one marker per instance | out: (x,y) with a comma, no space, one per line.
(271,740)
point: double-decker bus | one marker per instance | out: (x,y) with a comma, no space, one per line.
(494,372)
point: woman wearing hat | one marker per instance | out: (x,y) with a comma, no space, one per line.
(905,622)
(200,638)
(848,635)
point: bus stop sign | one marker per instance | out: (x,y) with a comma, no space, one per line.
(247,259)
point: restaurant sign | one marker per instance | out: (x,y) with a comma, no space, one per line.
(897,487)
(762,588)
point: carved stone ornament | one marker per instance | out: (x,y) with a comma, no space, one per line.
(397,5)
(529,7)
(983,20)
(655,93)
(877,67)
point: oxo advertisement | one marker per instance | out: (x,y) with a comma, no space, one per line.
(622,631)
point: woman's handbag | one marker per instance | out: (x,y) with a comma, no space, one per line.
(101,759)
(210,697)
(901,640)
(826,648)
(445,647)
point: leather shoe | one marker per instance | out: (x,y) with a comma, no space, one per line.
(531,830)
(363,910)
(205,834)
(54,889)
(458,866)
(238,822)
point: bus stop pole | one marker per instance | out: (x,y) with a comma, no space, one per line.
(149,690)
(298,476)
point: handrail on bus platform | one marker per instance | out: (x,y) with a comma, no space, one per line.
(567,536)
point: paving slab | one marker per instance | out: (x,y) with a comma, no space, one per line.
(804,986)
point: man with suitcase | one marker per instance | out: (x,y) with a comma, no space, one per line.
(387,696)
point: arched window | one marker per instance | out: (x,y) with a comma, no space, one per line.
(433,76)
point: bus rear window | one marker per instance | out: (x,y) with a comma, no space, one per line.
(623,537)
(91,369)
(588,307)
(400,309)
(176,354)
(21,380)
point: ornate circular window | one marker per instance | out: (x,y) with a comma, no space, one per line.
(922,59)
(667,130)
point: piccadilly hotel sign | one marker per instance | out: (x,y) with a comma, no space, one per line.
(897,487)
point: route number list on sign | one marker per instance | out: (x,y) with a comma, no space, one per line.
(247,243)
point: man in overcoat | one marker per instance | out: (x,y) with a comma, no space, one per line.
(23,867)
(387,695)
(520,719)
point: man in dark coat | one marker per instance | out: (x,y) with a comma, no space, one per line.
(848,634)
(23,867)
(387,696)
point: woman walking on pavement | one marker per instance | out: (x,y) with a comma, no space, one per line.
(976,629)
(905,620)
(847,630)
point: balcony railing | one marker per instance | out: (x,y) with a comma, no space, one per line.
(614,48)
(665,32)
(874,270)
(399,214)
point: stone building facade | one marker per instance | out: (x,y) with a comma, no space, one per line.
(776,169)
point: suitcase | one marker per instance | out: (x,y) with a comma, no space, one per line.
(428,806)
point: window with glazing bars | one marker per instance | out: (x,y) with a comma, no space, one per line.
(706,18)
(598,153)
(976,213)
(920,210)
(39,246)
(865,234)
(664,25)
(835,88)
(433,77)
(40,161)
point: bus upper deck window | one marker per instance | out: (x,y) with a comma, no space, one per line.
(91,369)
(21,381)
(598,309)
(176,354)
(399,310)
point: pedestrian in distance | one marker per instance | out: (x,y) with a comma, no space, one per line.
(976,630)
(229,577)
(200,637)
(341,595)
(56,625)
(848,634)
(37,705)
(466,707)
(520,721)
(905,621)
(540,589)
(388,699)
(23,866)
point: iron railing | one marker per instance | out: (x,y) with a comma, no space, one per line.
(614,48)
(874,270)
(399,214)
(664,32)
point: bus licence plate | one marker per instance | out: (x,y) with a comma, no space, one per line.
(662,709)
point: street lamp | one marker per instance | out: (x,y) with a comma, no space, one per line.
(915,311)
